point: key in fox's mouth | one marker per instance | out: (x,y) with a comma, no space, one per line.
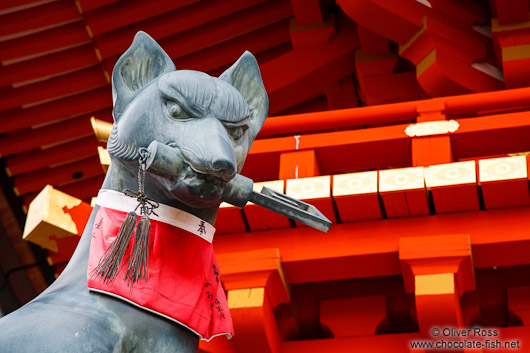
(203,185)
(190,174)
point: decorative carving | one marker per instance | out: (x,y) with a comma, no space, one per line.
(401,179)
(507,168)
(451,174)
(432,128)
(355,183)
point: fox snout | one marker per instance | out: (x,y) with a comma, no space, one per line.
(209,150)
(223,168)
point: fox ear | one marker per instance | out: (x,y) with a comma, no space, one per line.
(143,62)
(245,76)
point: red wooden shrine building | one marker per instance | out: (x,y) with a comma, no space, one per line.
(406,122)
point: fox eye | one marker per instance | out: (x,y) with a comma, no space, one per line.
(236,132)
(175,110)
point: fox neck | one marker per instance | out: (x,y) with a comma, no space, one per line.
(120,176)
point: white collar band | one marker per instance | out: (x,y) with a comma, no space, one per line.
(167,214)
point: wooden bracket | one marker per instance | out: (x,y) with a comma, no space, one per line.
(255,285)
(438,270)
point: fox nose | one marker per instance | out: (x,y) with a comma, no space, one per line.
(223,168)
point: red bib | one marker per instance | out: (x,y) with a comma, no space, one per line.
(184,280)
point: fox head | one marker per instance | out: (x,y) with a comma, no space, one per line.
(209,121)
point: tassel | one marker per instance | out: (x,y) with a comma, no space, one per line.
(109,264)
(137,267)
(138,262)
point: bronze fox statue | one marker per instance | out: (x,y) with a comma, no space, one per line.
(210,123)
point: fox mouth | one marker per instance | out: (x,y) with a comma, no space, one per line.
(193,185)
(193,177)
(199,189)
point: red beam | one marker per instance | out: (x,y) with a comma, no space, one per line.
(372,43)
(45,41)
(89,5)
(49,65)
(466,12)
(64,153)
(376,148)
(57,176)
(54,88)
(170,23)
(209,59)
(504,133)
(84,189)
(390,88)
(389,146)
(289,83)
(214,52)
(446,74)
(79,104)
(13,4)
(226,53)
(53,13)
(512,99)
(122,13)
(453,48)
(455,106)
(338,119)
(307,13)
(339,255)
(312,57)
(226,28)
(87,79)
(384,21)
(311,86)
(30,139)
(270,54)
(317,104)
(511,13)
(507,130)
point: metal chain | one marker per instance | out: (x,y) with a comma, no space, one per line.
(147,205)
(142,161)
